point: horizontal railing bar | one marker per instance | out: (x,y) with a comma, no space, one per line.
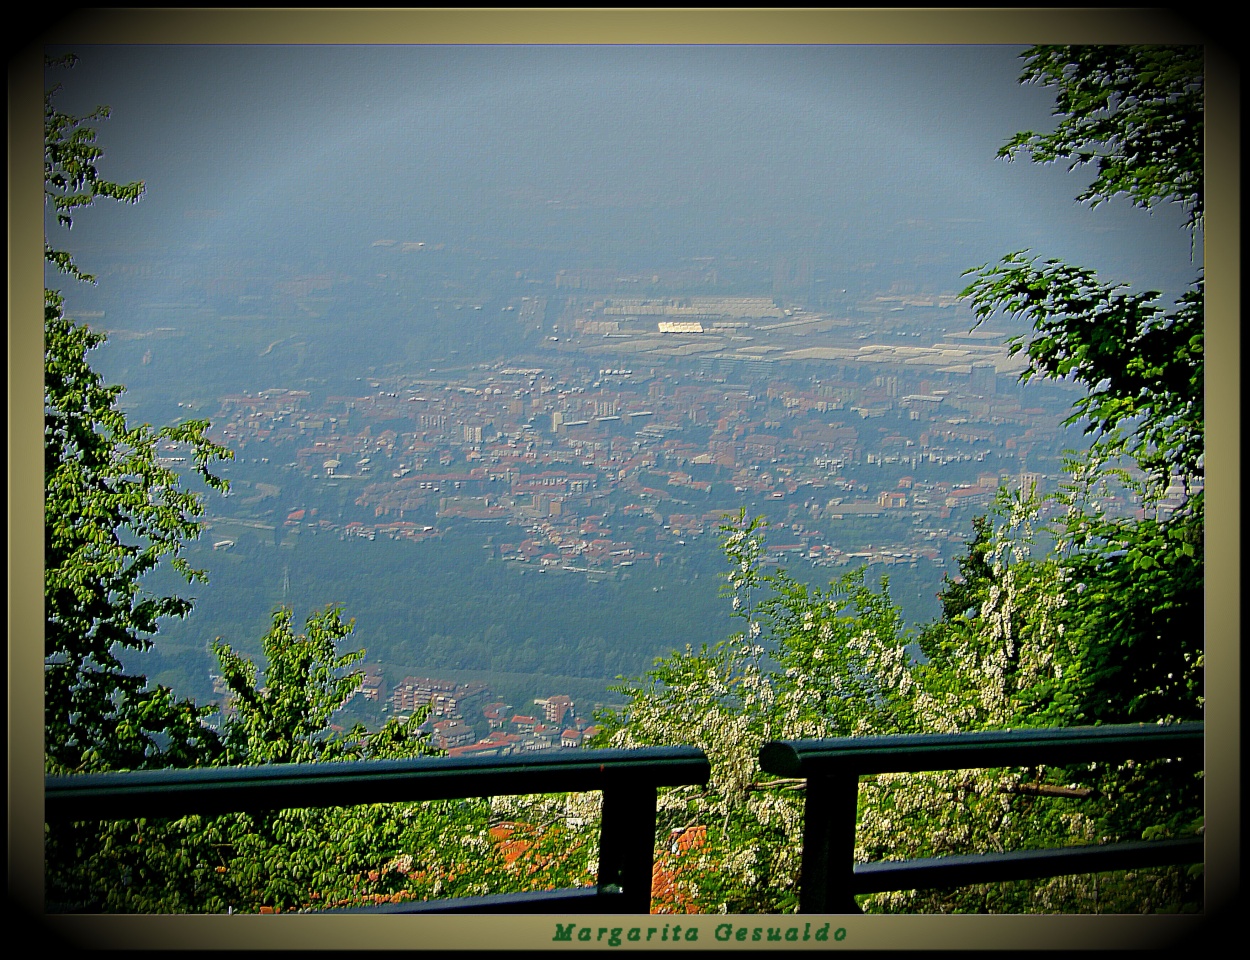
(911,753)
(573,900)
(213,790)
(962,870)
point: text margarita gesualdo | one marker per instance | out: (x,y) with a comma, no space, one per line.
(676,933)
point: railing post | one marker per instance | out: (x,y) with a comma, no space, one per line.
(627,845)
(828,872)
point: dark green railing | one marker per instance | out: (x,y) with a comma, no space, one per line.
(830,878)
(629,780)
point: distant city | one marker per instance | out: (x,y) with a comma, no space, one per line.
(598,467)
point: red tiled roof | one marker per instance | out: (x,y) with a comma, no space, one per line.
(666,888)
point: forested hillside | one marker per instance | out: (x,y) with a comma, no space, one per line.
(448,606)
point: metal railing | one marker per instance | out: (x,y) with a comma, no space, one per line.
(629,780)
(830,878)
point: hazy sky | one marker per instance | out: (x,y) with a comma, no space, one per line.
(699,150)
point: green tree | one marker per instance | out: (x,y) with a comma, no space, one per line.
(112,514)
(71,179)
(1127,592)
(280,860)
(285,720)
(1121,596)
(1133,111)
(314,859)
(1136,113)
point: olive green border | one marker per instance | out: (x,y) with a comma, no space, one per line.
(808,26)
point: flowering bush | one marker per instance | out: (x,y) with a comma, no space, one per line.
(821,663)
